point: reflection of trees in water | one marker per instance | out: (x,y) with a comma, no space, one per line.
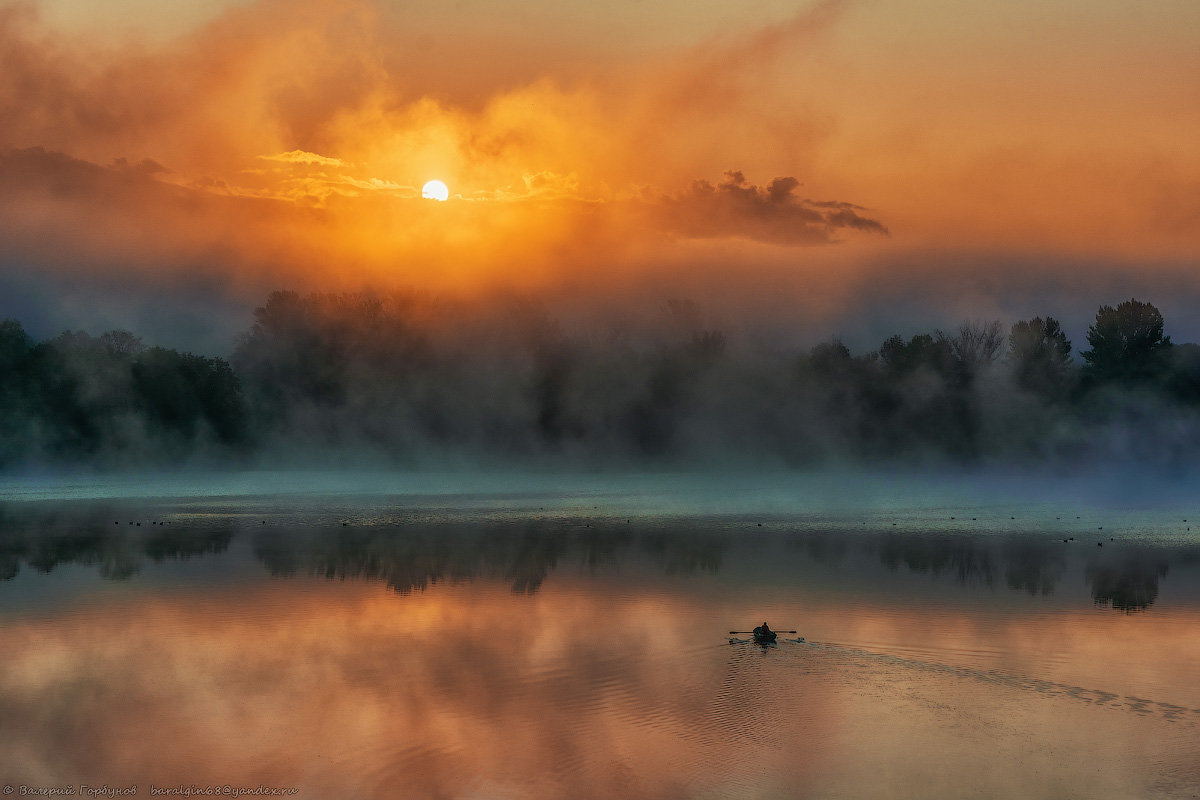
(45,540)
(117,557)
(968,559)
(1127,581)
(1033,565)
(603,548)
(536,555)
(408,560)
(404,562)
(414,559)
(687,553)
(824,548)
(1125,578)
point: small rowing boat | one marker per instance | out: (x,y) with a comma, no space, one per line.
(767,636)
(762,635)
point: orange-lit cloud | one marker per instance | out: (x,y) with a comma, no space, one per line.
(284,143)
(312,109)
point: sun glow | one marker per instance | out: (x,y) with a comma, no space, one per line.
(435,190)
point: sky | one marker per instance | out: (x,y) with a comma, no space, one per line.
(848,168)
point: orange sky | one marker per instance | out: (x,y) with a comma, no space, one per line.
(277,143)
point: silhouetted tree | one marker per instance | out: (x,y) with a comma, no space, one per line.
(1184,374)
(930,387)
(1128,345)
(1040,355)
(409,380)
(122,344)
(181,394)
(674,375)
(851,395)
(923,350)
(15,345)
(83,396)
(975,346)
(343,361)
(830,360)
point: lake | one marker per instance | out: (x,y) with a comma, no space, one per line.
(550,636)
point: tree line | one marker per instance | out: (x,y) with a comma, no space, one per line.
(405,381)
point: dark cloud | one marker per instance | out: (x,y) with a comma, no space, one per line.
(773,213)
(57,209)
(27,173)
(97,247)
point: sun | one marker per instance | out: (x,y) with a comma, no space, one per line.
(435,190)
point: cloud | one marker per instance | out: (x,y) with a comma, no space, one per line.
(306,158)
(332,109)
(771,213)
(283,144)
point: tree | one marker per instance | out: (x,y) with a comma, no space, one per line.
(976,345)
(1040,356)
(122,344)
(830,360)
(81,393)
(14,345)
(901,358)
(178,392)
(1128,345)
(1184,378)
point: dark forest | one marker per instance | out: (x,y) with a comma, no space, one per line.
(410,382)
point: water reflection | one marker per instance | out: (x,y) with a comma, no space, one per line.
(1125,576)
(967,559)
(1033,565)
(588,658)
(408,560)
(1127,581)
(49,538)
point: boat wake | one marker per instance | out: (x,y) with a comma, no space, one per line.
(1098,697)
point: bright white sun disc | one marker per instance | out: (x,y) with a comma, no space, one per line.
(435,190)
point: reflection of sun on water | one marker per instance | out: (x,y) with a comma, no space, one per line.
(435,190)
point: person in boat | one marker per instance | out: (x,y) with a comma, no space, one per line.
(764,633)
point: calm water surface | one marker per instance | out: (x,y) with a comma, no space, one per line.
(388,639)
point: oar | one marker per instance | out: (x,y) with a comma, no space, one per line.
(771,631)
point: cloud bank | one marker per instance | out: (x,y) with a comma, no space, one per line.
(284,144)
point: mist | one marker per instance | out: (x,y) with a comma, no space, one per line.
(417,381)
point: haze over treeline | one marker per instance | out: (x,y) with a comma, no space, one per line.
(408,380)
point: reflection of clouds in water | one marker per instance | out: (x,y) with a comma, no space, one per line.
(361,693)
